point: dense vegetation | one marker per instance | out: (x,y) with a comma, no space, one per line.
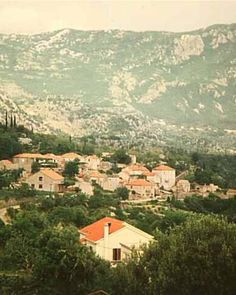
(40,252)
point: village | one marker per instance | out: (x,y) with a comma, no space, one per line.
(110,238)
(142,184)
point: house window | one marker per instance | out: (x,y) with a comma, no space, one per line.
(40,186)
(116,254)
(32,185)
(40,178)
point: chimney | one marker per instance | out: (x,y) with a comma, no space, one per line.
(106,239)
(106,230)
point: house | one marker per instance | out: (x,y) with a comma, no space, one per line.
(105,166)
(93,162)
(150,176)
(231,193)
(133,171)
(7,165)
(55,159)
(85,187)
(165,176)
(26,160)
(46,180)
(206,189)
(113,239)
(145,189)
(110,182)
(71,157)
(183,186)
(95,176)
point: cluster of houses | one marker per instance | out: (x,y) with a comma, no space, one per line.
(110,238)
(140,181)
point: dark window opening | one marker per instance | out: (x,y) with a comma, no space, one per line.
(116,254)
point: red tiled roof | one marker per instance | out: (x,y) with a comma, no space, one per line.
(163,168)
(95,231)
(6,162)
(148,173)
(96,174)
(52,174)
(137,167)
(139,182)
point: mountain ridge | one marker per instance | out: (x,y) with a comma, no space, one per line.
(83,82)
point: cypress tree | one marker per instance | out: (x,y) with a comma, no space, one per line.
(15,123)
(11,124)
(6,120)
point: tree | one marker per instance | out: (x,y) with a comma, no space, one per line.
(120,156)
(64,266)
(197,257)
(35,167)
(122,193)
(24,191)
(71,168)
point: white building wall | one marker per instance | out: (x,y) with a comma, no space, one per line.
(126,236)
(166,178)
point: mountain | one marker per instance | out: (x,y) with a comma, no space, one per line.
(157,85)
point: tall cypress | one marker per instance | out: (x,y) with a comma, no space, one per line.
(11,124)
(14,123)
(6,120)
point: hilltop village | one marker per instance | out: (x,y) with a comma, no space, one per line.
(48,172)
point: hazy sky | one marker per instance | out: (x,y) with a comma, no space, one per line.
(32,16)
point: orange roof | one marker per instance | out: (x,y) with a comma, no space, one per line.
(96,174)
(71,156)
(148,173)
(95,231)
(163,168)
(6,162)
(139,182)
(138,167)
(52,174)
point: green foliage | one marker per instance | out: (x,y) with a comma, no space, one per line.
(24,191)
(217,169)
(122,193)
(71,168)
(35,167)
(9,144)
(210,204)
(7,177)
(69,215)
(64,266)
(120,156)
(197,257)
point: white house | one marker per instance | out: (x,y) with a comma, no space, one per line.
(183,185)
(46,180)
(165,176)
(145,189)
(113,239)
(110,182)
(133,171)
(93,162)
